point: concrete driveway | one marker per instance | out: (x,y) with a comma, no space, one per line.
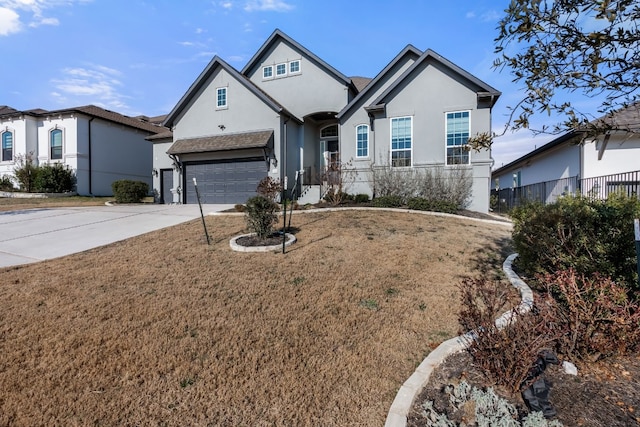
(34,235)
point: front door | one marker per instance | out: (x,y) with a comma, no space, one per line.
(166,185)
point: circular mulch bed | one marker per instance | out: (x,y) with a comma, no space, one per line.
(252,243)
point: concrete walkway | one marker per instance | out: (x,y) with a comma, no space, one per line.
(33,235)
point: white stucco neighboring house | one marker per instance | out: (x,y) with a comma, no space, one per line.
(99,145)
(288,113)
(573,161)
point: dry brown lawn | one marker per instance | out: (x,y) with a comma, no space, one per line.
(11,203)
(164,330)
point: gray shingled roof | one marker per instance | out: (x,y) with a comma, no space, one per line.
(90,110)
(360,82)
(225,142)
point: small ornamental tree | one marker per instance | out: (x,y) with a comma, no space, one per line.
(261,215)
(26,172)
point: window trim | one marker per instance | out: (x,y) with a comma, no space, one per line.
(226,98)
(270,68)
(392,150)
(282,64)
(298,71)
(446,136)
(366,148)
(51,133)
(13,145)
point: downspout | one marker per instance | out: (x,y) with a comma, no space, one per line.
(284,183)
(373,151)
(90,158)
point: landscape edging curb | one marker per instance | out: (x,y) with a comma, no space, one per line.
(401,406)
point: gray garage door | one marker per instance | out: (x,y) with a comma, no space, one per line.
(228,182)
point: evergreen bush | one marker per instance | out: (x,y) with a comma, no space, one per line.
(260,215)
(589,236)
(128,191)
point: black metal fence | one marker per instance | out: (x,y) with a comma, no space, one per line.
(503,200)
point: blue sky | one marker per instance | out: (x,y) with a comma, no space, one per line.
(140,56)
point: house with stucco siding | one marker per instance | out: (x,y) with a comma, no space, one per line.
(98,145)
(290,115)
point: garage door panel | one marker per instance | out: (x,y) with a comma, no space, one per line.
(226,182)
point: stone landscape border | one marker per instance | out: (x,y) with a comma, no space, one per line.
(401,406)
(291,239)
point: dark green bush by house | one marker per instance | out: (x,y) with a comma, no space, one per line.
(391,201)
(422,204)
(361,198)
(55,178)
(128,191)
(261,215)
(6,183)
(589,236)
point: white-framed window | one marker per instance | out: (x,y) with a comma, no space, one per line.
(362,141)
(267,72)
(281,70)
(55,144)
(457,138)
(221,97)
(401,141)
(294,67)
(7,146)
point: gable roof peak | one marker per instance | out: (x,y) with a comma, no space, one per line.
(280,35)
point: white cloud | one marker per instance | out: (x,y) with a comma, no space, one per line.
(267,5)
(226,5)
(14,12)
(9,21)
(93,84)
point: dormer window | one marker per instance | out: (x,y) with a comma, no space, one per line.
(294,67)
(267,72)
(281,70)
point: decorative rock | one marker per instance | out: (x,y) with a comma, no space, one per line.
(569,368)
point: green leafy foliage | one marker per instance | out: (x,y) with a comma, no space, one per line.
(6,183)
(260,215)
(26,172)
(55,178)
(548,48)
(422,204)
(361,198)
(587,235)
(128,191)
(389,201)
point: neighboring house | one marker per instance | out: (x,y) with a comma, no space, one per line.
(288,112)
(99,145)
(573,162)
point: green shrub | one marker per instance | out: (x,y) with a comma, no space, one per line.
(260,214)
(26,172)
(390,201)
(55,178)
(422,204)
(128,191)
(361,198)
(589,236)
(6,183)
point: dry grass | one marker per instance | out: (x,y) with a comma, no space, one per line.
(165,330)
(14,203)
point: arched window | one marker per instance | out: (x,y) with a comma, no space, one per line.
(329,131)
(362,141)
(7,146)
(55,145)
